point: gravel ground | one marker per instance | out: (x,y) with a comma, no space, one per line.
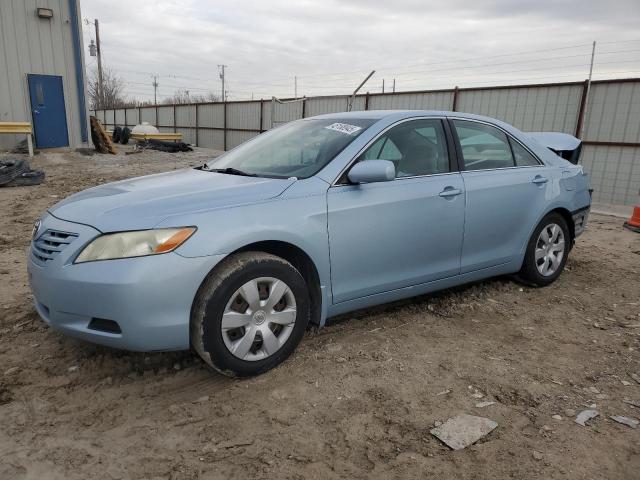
(357,399)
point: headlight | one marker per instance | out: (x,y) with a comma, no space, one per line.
(135,244)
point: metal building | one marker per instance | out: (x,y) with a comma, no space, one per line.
(42,78)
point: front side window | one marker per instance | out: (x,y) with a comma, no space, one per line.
(416,148)
(297,149)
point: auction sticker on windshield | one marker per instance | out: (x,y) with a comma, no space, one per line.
(344,128)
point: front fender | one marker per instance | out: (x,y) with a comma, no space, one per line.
(298,217)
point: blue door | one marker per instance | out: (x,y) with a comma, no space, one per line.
(389,235)
(48,111)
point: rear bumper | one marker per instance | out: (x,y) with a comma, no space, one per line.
(149,298)
(580,218)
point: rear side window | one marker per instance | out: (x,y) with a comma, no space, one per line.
(522,155)
(483,147)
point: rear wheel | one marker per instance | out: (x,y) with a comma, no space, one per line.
(547,251)
(250,314)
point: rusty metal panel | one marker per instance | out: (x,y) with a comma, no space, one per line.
(613,113)
(186,116)
(211,115)
(245,115)
(529,109)
(412,101)
(148,114)
(615,173)
(235,138)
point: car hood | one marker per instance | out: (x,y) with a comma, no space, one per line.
(143,202)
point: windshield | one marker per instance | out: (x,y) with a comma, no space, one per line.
(297,149)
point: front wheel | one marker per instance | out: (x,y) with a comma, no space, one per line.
(547,251)
(250,314)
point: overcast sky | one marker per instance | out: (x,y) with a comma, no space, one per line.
(332,45)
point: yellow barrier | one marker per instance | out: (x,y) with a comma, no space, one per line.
(18,128)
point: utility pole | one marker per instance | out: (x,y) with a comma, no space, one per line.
(224,93)
(352,100)
(295,87)
(99,55)
(383,85)
(586,94)
(394,85)
(155,89)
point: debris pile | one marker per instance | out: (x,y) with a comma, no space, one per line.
(15,172)
(99,137)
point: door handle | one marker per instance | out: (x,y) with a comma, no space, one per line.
(539,180)
(450,192)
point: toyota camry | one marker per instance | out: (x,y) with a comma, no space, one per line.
(309,220)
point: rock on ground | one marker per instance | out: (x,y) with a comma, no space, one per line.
(463,430)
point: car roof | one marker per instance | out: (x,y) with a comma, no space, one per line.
(402,114)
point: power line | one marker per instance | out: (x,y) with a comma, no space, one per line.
(269,83)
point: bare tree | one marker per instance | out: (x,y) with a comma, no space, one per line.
(181,97)
(113,90)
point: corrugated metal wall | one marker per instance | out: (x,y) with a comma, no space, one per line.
(613,120)
(29,44)
(533,109)
(611,129)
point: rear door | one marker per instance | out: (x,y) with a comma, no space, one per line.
(506,189)
(388,235)
(48,111)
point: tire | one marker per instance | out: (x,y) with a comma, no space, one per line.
(11,169)
(220,295)
(117,132)
(533,270)
(125,135)
(27,179)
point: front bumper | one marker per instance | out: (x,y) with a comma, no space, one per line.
(150,297)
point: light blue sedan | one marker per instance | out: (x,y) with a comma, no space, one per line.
(309,220)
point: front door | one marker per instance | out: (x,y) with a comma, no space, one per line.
(48,111)
(389,235)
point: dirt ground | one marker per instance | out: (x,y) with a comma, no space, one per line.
(357,399)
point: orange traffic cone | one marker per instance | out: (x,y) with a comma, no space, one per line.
(633,223)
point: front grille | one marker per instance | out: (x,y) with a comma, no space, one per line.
(50,244)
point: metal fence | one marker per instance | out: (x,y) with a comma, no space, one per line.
(608,122)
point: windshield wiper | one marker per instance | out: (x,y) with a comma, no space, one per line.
(232,171)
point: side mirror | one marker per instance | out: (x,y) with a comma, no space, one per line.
(370,171)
